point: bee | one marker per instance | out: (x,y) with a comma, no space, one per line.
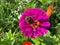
(29,19)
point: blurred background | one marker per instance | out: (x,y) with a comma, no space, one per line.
(10,11)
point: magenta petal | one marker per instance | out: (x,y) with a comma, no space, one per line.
(45,24)
(42,30)
(39,31)
(46,17)
(33,33)
(27,31)
(42,15)
(23,23)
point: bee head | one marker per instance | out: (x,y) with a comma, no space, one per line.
(29,19)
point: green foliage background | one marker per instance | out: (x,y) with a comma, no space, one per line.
(9,16)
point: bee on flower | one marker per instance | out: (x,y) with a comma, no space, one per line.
(34,22)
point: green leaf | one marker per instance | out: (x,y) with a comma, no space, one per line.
(36,40)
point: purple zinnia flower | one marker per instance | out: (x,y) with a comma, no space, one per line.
(34,22)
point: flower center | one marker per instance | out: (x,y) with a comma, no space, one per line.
(35,24)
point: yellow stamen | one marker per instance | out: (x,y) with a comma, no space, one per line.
(37,24)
